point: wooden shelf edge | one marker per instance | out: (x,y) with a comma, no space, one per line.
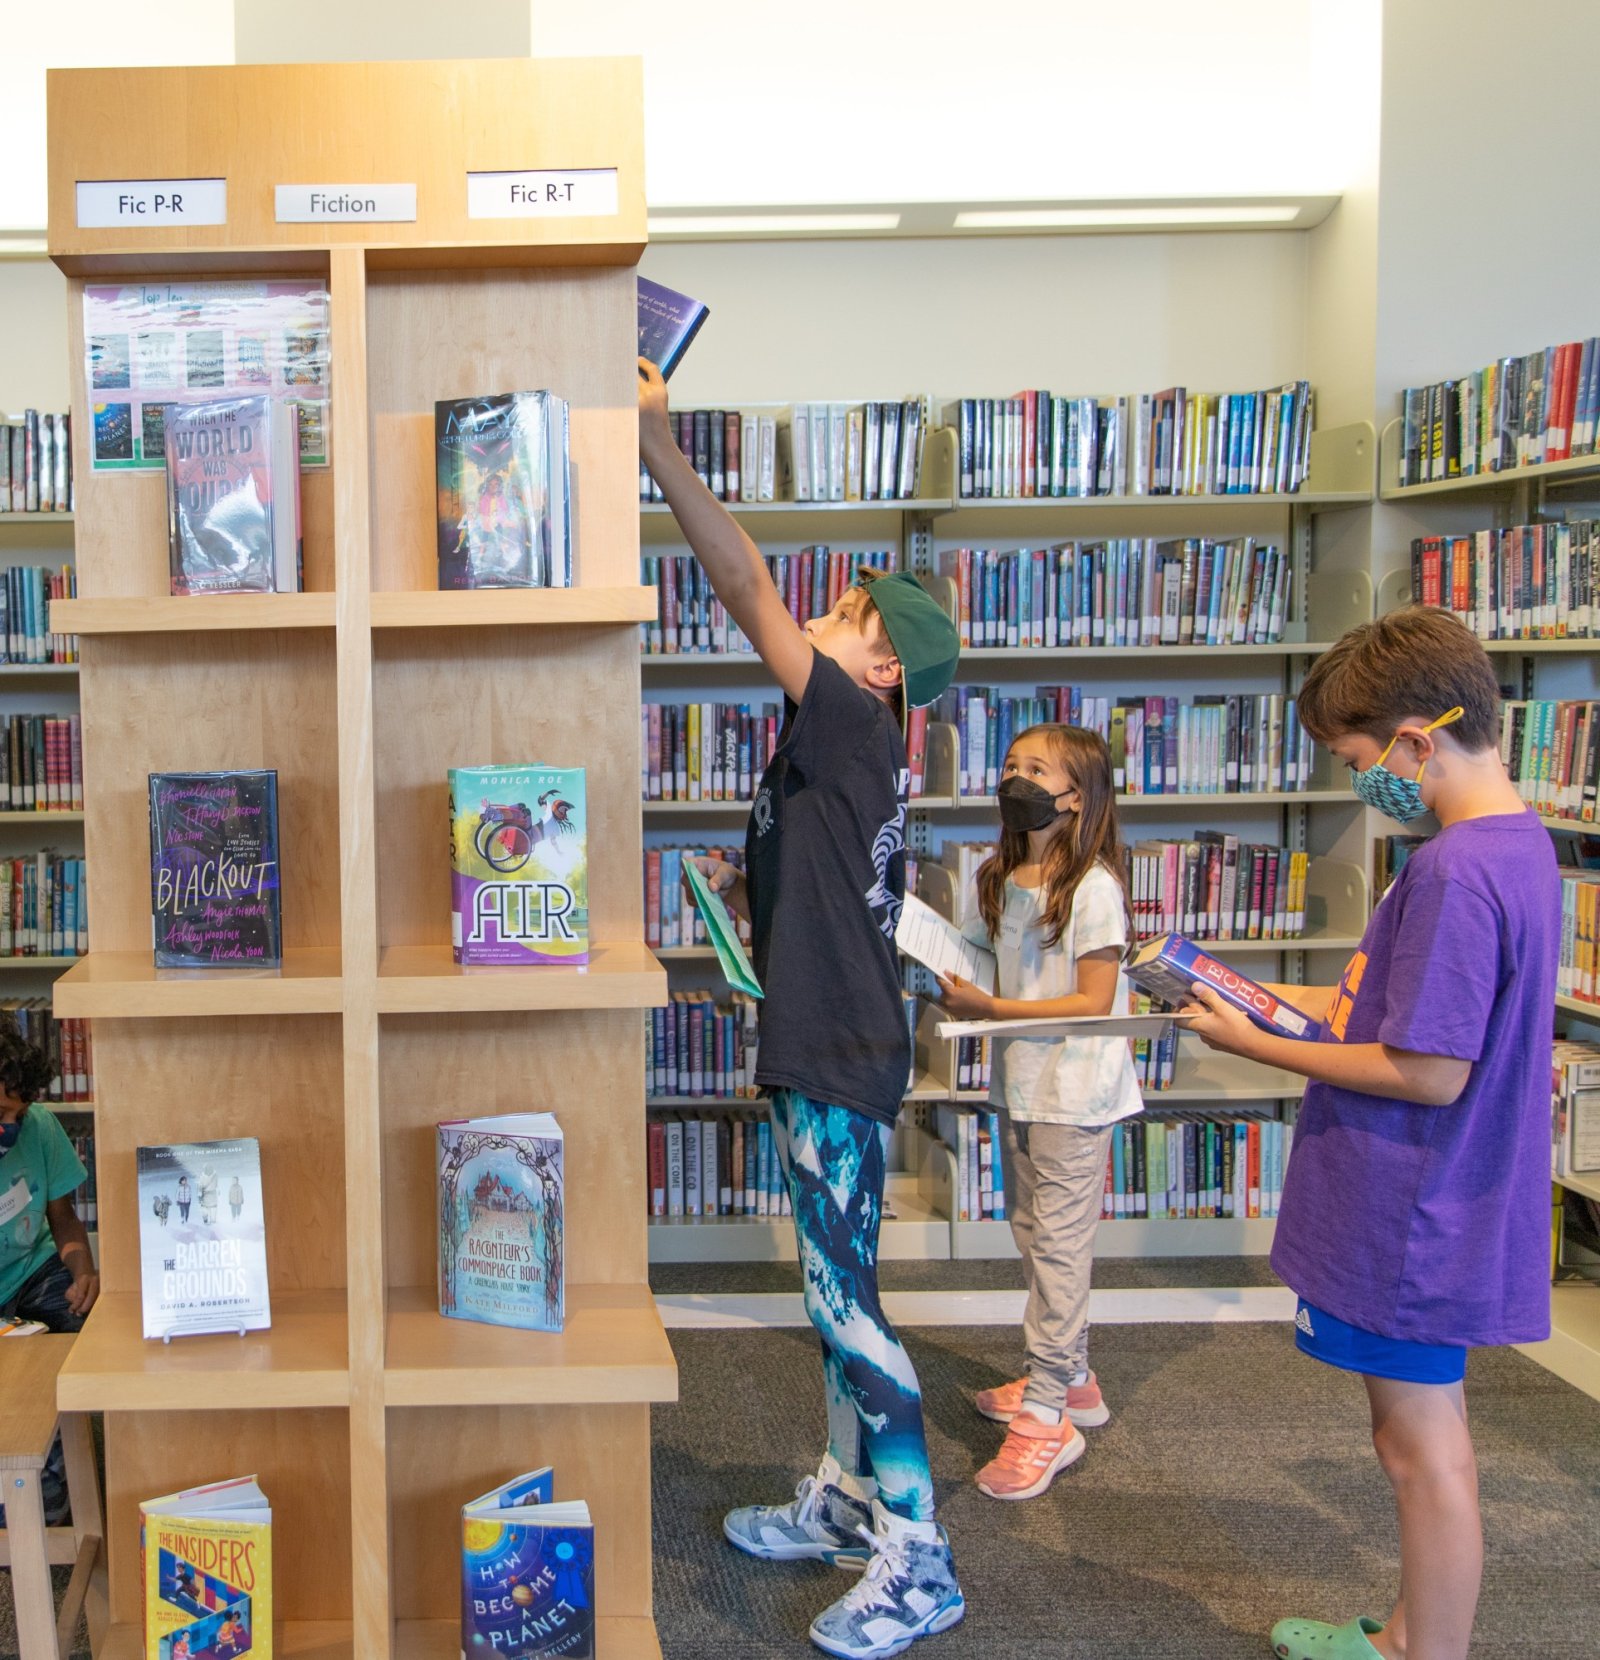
(122,985)
(191,614)
(514,607)
(423,980)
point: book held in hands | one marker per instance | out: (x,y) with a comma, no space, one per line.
(1170,966)
(214,869)
(527,1573)
(505,489)
(233,497)
(519,868)
(206,1556)
(202,1238)
(501,1227)
(668,322)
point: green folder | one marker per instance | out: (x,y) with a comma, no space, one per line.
(730,953)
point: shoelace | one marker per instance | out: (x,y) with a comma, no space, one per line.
(888,1561)
(1020,1451)
(808,1496)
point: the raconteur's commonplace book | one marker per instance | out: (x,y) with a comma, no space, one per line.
(501,1221)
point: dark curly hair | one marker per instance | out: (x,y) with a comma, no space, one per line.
(25,1069)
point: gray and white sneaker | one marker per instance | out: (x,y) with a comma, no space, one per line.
(908,1591)
(822,1524)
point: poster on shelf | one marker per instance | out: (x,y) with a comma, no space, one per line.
(148,345)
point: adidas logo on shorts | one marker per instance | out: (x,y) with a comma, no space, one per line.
(1302,1319)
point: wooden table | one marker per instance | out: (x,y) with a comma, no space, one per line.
(28,1422)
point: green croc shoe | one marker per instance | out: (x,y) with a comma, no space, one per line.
(1312,1640)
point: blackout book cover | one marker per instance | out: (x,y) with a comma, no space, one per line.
(505,518)
(668,322)
(527,1574)
(207,1573)
(233,497)
(519,868)
(501,1228)
(214,869)
(202,1238)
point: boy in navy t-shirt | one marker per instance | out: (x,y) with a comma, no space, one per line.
(825,863)
(1416,1208)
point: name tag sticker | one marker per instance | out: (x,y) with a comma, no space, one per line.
(14,1200)
(103,203)
(548,193)
(1011,932)
(305,204)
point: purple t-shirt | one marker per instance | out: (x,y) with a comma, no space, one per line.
(1433,1223)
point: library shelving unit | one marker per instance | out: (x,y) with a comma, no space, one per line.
(369,1418)
(1325,602)
(1552,490)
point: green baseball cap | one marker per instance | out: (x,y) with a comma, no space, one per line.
(924,638)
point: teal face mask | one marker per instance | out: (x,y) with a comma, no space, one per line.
(1395,797)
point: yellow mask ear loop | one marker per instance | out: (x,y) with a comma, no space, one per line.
(1448,718)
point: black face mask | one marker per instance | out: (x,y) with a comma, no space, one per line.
(1025,805)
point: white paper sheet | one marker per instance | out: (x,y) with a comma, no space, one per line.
(927,938)
(1080,1025)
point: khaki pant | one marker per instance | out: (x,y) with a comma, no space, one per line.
(1055,1182)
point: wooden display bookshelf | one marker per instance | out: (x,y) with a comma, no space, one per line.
(370,1419)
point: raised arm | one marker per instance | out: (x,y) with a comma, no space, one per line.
(728,556)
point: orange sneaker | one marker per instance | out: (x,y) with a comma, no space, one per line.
(1033,1456)
(1002,1404)
(1086,1406)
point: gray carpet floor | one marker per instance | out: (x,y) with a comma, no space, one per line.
(1234,1484)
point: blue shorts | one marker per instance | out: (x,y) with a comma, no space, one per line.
(1351,1349)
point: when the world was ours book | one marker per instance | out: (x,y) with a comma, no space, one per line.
(202,1238)
(207,1573)
(233,497)
(668,322)
(519,866)
(501,1231)
(527,1574)
(505,489)
(214,870)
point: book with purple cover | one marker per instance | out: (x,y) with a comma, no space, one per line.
(668,321)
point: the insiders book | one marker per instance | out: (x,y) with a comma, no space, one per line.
(214,894)
(668,322)
(505,491)
(202,1238)
(519,866)
(527,1573)
(501,1229)
(1169,966)
(233,497)
(206,1555)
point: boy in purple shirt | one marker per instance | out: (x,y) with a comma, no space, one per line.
(1416,1208)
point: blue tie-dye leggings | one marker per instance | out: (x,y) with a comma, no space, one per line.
(833,1160)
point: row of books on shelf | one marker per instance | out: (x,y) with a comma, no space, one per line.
(1578,967)
(41,764)
(697,1046)
(66,1042)
(1169,443)
(44,908)
(1215,887)
(1523,582)
(86,1195)
(671,920)
(1129,591)
(1210,745)
(1575,1109)
(1514,412)
(25,597)
(721,1166)
(36,463)
(1551,749)
(690,618)
(806,452)
(705,751)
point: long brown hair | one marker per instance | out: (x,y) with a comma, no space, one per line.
(1093,838)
